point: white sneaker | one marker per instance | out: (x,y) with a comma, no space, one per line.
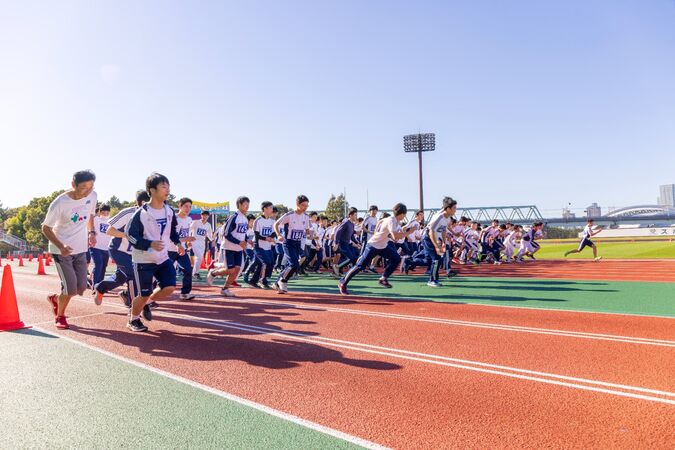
(281,287)
(434,284)
(187,296)
(210,278)
(225,292)
(598,258)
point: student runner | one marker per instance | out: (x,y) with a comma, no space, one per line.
(151,229)
(234,243)
(200,230)
(68,219)
(296,226)
(586,236)
(385,233)
(183,224)
(346,242)
(261,269)
(99,252)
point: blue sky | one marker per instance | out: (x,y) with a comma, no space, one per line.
(547,103)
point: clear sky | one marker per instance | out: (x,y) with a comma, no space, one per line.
(537,102)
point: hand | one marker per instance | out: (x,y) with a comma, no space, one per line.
(440,251)
(243,245)
(280,238)
(269,239)
(66,250)
(190,239)
(157,245)
(181,250)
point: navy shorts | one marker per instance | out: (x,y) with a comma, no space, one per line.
(144,273)
(233,258)
(586,243)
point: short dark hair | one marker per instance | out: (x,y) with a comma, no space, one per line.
(399,208)
(82,176)
(301,199)
(418,212)
(104,207)
(352,210)
(243,199)
(448,202)
(495,220)
(154,180)
(142,196)
(264,205)
(250,217)
(275,209)
(322,217)
(184,200)
(502,227)
(360,219)
(313,213)
(385,215)
(373,208)
(206,212)
(590,220)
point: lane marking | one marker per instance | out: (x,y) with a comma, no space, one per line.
(47,322)
(260,407)
(496,326)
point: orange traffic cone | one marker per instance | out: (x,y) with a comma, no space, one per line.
(41,267)
(30,257)
(47,260)
(9,311)
(10,257)
(20,261)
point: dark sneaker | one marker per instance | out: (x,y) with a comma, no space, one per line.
(54,302)
(147,313)
(343,288)
(61,323)
(153,305)
(124,295)
(452,273)
(136,326)
(264,285)
(253,285)
(384,283)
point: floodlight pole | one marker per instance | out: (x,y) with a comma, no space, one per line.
(419,160)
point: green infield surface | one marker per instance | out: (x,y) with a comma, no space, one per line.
(610,250)
(58,394)
(622,297)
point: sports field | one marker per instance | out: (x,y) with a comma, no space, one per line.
(641,249)
(545,354)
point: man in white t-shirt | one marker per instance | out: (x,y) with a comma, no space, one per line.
(69,217)
(99,252)
(386,232)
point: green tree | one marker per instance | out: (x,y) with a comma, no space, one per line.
(336,207)
(283,209)
(27,223)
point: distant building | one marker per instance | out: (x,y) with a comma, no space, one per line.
(593,211)
(667,197)
(567,214)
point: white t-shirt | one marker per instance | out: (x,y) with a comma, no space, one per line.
(162,219)
(101,229)
(119,221)
(383,232)
(295,225)
(238,231)
(264,227)
(201,231)
(369,224)
(68,219)
(438,223)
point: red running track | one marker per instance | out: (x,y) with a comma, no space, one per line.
(408,375)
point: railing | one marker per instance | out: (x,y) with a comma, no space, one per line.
(14,241)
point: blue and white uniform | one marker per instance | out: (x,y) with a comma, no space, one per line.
(234,233)
(200,231)
(586,238)
(183,229)
(263,263)
(295,229)
(120,251)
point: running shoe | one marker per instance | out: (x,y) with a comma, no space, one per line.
(253,285)
(197,276)
(98,298)
(225,292)
(598,258)
(147,313)
(210,278)
(235,284)
(153,305)
(136,326)
(264,285)
(187,296)
(434,284)
(61,323)
(343,288)
(336,271)
(281,287)
(124,295)
(384,283)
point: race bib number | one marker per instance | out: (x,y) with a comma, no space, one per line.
(242,228)
(183,233)
(266,232)
(162,225)
(201,231)
(296,235)
(103,228)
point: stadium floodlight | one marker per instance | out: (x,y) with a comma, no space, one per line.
(418,143)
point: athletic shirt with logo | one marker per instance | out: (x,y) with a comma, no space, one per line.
(264,228)
(201,231)
(101,228)
(68,219)
(438,223)
(587,232)
(182,229)
(383,231)
(119,221)
(238,232)
(369,224)
(295,225)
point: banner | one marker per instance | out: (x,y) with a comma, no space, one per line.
(213,208)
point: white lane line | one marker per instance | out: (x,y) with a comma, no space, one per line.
(266,409)
(495,326)
(478,366)
(70,319)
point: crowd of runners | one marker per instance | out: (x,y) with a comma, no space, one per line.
(151,243)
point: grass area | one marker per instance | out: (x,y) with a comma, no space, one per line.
(611,250)
(657,299)
(614,239)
